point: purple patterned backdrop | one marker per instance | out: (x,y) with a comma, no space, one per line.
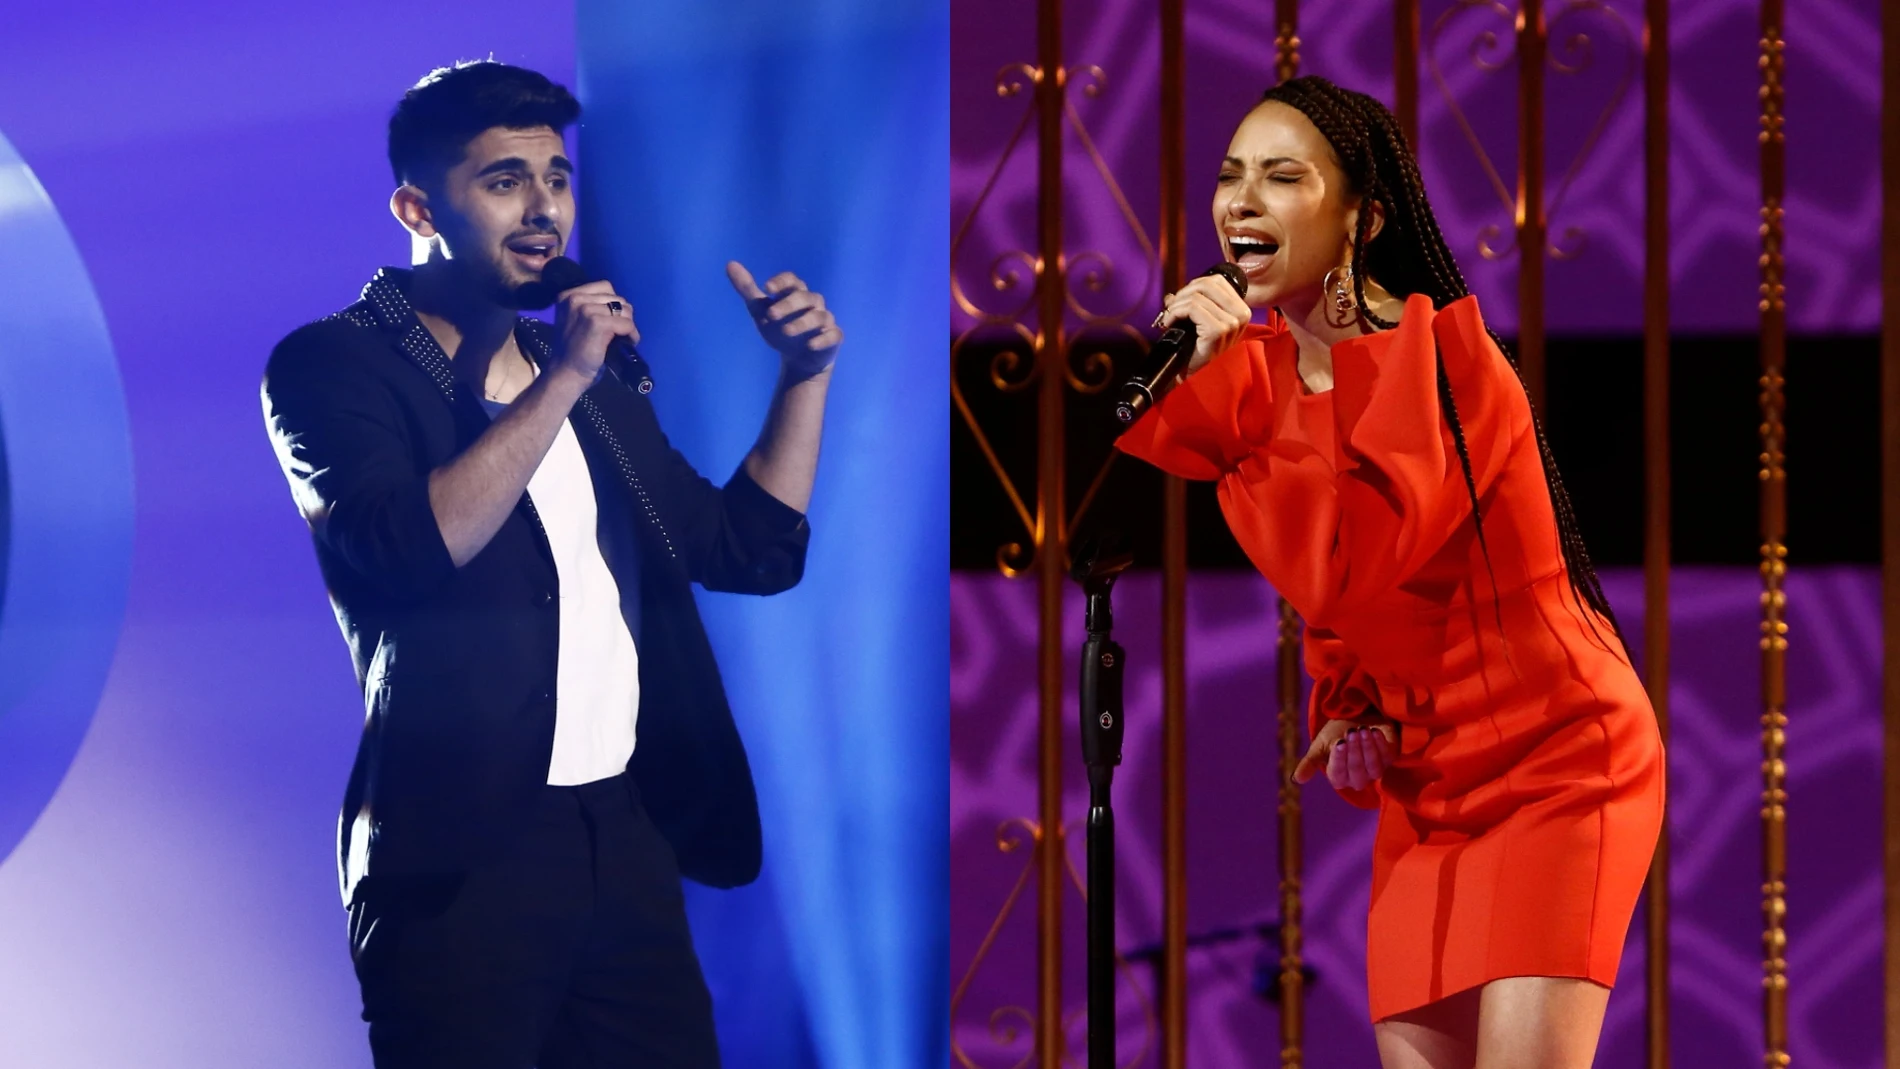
(1834,822)
(1832,109)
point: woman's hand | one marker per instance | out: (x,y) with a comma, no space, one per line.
(1355,752)
(1218,314)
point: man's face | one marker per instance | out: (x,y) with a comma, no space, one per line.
(506,209)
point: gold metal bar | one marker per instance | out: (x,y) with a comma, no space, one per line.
(1051,539)
(1286,48)
(1286,39)
(1174,1015)
(1405,68)
(1174,1031)
(1656,489)
(1890,507)
(1292,908)
(1774,552)
(1531,38)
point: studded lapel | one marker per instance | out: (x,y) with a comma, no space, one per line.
(385,306)
(540,347)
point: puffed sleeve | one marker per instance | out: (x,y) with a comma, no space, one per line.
(1402,490)
(1204,427)
(1341,690)
(1334,531)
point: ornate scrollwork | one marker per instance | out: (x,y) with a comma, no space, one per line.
(1090,369)
(1005,1033)
(1055,286)
(1097,80)
(1571,55)
(1581,46)
(1010,1024)
(1097,278)
(1014,559)
(1488,39)
(1005,274)
(1087,368)
(1009,371)
(1578,44)
(1001,280)
(1008,272)
(1011,836)
(1028,74)
(1095,272)
(1489,233)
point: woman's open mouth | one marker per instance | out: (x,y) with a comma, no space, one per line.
(1253,254)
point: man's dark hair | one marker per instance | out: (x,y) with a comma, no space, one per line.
(451,106)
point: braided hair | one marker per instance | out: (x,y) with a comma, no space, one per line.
(1413,258)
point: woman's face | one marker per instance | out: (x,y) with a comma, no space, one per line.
(1282,207)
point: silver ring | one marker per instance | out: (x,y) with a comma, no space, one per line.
(613,308)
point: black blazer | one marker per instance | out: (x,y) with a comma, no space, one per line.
(457,666)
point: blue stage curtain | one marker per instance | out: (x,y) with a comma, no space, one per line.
(809,137)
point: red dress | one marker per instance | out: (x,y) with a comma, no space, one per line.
(1517,823)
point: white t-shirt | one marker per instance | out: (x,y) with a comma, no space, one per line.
(597,678)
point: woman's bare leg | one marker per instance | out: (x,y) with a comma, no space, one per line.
(1442,1035)
(1540,1022)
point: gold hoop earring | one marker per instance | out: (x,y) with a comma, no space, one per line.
(1342,288)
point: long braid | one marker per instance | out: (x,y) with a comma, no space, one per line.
(1356,153)
(1380,166)
(1584,582)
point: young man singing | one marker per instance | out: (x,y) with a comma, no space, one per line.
(509,544)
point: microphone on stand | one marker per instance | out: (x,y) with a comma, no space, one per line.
(1169,355)
(562,274)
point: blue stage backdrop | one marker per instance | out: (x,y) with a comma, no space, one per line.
(65,542)
(219,166)
(813,141)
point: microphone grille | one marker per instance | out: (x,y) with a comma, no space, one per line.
(1232,272)
(562,274)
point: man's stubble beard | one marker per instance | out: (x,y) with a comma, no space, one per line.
(493,283)
(484,276)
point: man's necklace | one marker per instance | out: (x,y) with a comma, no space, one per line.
(507,378)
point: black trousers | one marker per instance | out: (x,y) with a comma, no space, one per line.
(570,952)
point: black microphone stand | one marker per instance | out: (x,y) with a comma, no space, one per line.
(1096,569)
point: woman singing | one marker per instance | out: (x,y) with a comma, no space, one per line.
(1379,463)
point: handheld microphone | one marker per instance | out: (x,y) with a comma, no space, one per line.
(562,274)
(1169,356)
